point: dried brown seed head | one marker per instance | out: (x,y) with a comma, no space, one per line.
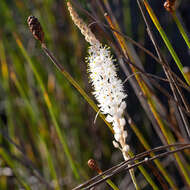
(35,28)
(94,166)
(169,5)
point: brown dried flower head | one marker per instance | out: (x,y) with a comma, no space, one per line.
(93,165)
(169,5)
(35,28)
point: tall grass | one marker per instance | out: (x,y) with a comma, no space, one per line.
(49,121)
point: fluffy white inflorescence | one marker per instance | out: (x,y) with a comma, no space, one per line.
(108,90)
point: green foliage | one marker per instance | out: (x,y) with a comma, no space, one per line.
(50,117)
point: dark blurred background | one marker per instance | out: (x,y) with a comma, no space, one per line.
(23,112)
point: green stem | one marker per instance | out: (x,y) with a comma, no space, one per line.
(75,84)
(146,174)
(132,174)
(181,29)
(111,184)
(165,39)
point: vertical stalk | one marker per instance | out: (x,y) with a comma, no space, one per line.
(181,29)
(148,94)
(165,39)
(125,51)
(167,134)
(168,74)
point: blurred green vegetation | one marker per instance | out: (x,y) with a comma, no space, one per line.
(24,114)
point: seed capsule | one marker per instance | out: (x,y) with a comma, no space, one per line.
(170,5)
(35,28)
(94,166)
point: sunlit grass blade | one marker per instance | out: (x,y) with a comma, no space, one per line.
(167,134)
(165,39)
(181,29)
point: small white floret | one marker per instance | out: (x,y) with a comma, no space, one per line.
(126,148)
(115,144)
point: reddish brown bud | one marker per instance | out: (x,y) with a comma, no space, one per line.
(35,28)
(94,166)
(169,5)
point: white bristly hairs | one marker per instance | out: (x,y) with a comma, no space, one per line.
(108,88)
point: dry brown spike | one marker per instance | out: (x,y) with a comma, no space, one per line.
(169,5)
(35,28)
(94,166)
(85,30)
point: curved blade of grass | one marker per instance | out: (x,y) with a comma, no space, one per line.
(60,132)
(167,134)
(165,39)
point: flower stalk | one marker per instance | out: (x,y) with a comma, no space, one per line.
(108,88)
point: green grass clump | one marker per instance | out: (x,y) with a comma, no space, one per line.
(48,124)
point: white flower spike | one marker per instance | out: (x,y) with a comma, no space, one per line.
(108,88)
